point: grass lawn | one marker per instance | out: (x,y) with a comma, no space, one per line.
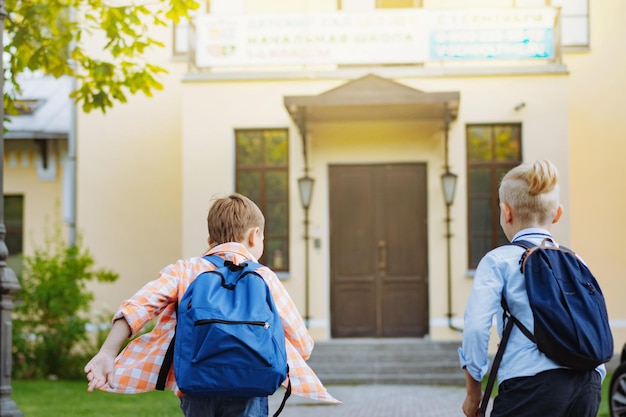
(71,399)
(604,406)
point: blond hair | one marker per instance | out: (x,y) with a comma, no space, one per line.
(532,191)
(230,217)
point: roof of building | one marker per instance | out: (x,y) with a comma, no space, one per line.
(46,109)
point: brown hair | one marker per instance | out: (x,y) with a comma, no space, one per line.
(230,217)
(532,190)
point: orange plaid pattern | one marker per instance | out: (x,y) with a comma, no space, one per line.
(137,366)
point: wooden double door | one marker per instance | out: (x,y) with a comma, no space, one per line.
(378,248)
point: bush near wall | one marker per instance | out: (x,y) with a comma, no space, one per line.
(49,321)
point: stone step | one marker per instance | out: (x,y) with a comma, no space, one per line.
(387,361)
(451,379)
(389,366)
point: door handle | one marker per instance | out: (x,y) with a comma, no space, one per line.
(382,257)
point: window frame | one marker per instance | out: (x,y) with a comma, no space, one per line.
(264,200)
(494,166)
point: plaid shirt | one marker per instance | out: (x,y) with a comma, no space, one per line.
(137,366)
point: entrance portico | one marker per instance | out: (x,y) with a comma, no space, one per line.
(377,198)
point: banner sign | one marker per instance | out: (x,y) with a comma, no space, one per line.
(492,34)
(389,36)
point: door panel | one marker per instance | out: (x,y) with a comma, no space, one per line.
(378,250)
(354,283)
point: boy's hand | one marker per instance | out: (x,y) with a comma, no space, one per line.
(471,405)
(100,371)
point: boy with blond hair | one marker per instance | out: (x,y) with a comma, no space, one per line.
(530,384)
(236,233)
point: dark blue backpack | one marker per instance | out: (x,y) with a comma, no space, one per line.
(570,317)
(229,340)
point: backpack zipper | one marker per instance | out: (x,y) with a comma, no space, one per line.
(589,287)
(263,324)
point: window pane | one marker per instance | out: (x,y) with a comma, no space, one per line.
(276,153)
(480,246)
(249,148)
(276,254)
(481,215)
(276,219)
(14,222)
(479,143)
(479,180)
(394,4)
(249,184)
(181,38)
(13,210)
(276,185)
(502,239)
(14,241)
(575,30)
(500,173)
(357,5)
(507,143)
(570,7)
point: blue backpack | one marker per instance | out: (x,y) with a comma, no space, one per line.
(571,324)
(570,317)
(229,340)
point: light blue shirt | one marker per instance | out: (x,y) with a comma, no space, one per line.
(498,271)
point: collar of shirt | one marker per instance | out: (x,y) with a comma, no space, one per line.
(532,233)
(233,251)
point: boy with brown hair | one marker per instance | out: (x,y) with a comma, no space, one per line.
(236,228)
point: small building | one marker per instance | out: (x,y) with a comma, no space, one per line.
(36,145)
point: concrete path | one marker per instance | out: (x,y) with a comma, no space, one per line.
(377,401)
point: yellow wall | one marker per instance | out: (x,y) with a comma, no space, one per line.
(597,106)
(129,183)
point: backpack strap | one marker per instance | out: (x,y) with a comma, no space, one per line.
(506,332)
(287,395)
(215,260)
(523,243)
(524,329)
(510,319)
(167,361)
(221,262)
(527,246)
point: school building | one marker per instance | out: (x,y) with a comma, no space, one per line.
(396,117)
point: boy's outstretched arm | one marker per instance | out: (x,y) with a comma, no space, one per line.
(100,369)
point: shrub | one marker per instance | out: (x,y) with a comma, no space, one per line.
(49,320)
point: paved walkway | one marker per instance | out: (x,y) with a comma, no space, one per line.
(377,401)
